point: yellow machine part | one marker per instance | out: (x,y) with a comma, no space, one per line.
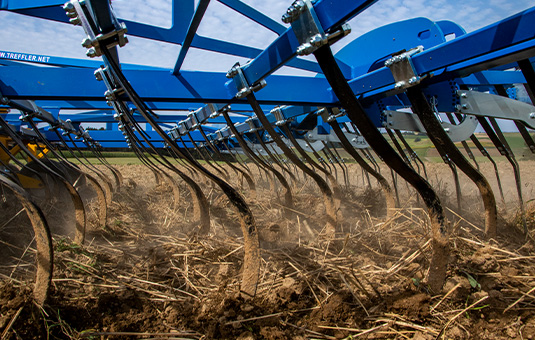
(30,182)
(38,150)
(26,181)
(4,157)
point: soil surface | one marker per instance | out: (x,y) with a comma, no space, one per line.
(146,274)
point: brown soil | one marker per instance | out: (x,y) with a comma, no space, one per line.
(145,275)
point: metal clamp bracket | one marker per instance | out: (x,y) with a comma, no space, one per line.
(242,85)
(307,27)
(330,115)
(403,69)
(280,119)
(252,125)
(194,120)
(75,11)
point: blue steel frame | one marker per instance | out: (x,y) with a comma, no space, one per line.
(477,59)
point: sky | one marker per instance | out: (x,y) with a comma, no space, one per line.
(30,35)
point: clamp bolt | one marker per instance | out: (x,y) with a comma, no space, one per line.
(98,75)
(87,43)
(400,85)
(69,7)
(91,53)
(232,72)
(75,21)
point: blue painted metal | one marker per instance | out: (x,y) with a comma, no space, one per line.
(331,15)
(192,29)
(255,15)
(476,59)
(154,86)
(509,40)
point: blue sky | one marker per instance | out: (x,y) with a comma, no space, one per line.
(37,36)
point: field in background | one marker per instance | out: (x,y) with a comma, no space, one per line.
(419,143)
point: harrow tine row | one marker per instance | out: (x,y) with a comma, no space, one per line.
(406,82)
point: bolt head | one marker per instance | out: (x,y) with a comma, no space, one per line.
(87,43)
(316,40)
(91,53)
(413,80)
(532,115)
(400,84)
(69,7)
(98,75)
(76,21)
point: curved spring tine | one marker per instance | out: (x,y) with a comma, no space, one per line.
(365,175)
(291,169)
(101,194)
(529,73)
(409,162)
(500,89)
(100,174)
(394,176)
(447,160)
(270,177)
(183,163)
(48,194)
(338,160)
(328,197)
(261,163)
(399,148)
(334,184)
(516,169)
(139,146)
(357,115)
(368,154)
(439,137)
(525,135)
(79,210)
(271,155)
(329,159)
(485,153)
(43,241)
(414,156)
(244,165)
(248,158)
(325,165)
(211,158)
(116,173)
(251,266)
(385,186)
(332,159)
(463,143)
(157,172)
(219,170)
(248,178)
